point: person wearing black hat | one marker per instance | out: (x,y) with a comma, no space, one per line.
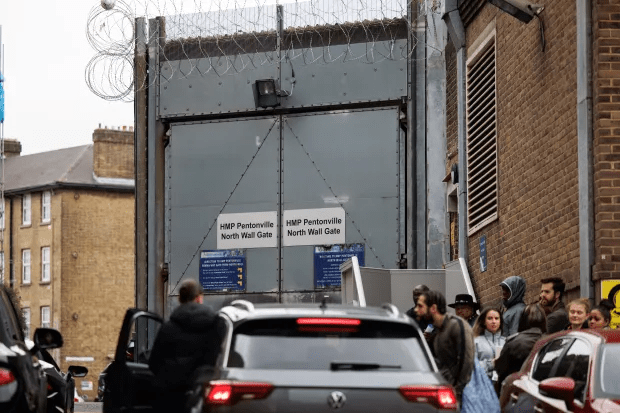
(465,307)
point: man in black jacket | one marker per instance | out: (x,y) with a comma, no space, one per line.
(532,326)
(190,339)
(453,344)
(551,291)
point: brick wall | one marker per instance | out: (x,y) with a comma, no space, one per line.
(606,145)
(113,155)
(452,136)
(536,234)
(97,275)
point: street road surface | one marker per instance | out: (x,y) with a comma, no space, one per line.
(88,407)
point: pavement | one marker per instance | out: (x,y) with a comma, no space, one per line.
(88,407)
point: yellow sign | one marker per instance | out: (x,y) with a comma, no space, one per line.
(610,289)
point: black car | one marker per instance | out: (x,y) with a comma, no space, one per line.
(60,386)
(23,385)
(101,384)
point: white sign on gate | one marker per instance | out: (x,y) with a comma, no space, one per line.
(247,230)
(321,226)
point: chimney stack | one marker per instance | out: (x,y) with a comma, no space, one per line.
(12,147)
(113,153)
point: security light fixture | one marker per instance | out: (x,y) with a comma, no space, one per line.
(521,9)
(266,94)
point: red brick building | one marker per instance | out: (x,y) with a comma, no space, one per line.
(542,123)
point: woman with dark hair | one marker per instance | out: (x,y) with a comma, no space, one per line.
(532,325)
(600,315)
(488,339)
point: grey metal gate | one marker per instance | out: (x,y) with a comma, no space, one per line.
(349,159)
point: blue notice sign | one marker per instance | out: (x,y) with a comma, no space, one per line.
(327,262)
(223,270)
(483,253)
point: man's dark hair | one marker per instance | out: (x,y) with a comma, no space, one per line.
(435,297)
(189,290)
(418,290)
(558,284)
(533,316)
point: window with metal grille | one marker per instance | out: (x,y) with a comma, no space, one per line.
(481,136)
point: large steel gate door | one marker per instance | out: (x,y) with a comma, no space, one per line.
(346,159)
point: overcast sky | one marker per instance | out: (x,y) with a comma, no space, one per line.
(48,105)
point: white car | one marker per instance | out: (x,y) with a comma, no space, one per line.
(76,397)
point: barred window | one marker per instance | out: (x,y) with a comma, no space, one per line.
(482,187)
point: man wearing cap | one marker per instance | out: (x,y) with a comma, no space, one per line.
(465,307)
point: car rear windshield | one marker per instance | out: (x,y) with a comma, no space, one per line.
(291,344)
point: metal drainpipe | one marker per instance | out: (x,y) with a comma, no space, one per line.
(584,146)
(11,258)
(454,23)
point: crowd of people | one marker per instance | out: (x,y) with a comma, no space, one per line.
(500,336)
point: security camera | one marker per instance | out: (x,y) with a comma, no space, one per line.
(521,9)
(108,4)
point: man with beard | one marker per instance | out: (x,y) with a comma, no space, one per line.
(551,291)
(453,343)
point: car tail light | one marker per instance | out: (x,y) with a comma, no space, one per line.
(225,392)
(322,321)
(8,385)
(442,397)
(6,377)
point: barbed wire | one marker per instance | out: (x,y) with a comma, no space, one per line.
(227,37)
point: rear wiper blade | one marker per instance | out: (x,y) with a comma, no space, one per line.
(348,365)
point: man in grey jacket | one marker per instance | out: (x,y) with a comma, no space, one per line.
(513,290)
(453,344)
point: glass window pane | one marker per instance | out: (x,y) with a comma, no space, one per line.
(547,358)
(282,344)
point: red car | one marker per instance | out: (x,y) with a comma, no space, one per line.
(570,371)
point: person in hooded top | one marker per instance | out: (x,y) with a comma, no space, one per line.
(513,291)
(191,339)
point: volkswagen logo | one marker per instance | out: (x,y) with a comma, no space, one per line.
(336,400)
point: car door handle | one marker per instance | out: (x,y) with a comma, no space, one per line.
(539,409)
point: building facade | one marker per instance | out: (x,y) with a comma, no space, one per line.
(68,245)
(540,120)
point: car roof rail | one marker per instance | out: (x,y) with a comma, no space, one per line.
(243,304)
(391,308)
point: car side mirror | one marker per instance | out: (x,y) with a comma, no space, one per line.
(78,371)
(561,388)
(47,338)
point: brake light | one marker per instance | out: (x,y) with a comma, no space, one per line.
(6,377)
(225,392)
(442,397)
(329,321)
